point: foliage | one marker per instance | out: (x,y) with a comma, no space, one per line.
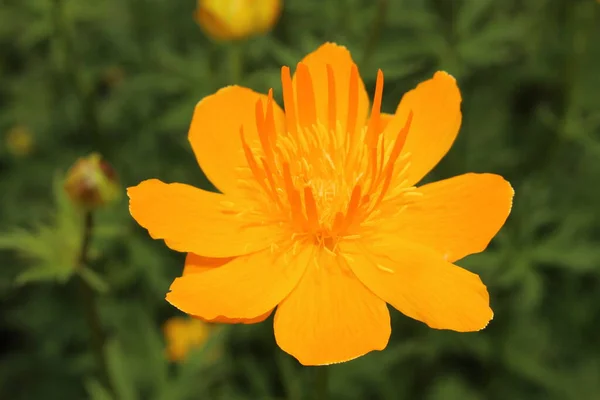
(122,78)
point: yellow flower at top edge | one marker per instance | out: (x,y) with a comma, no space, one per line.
(183,335)
(237,19)
(321,216)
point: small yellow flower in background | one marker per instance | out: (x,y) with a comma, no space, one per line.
(92,182)
(19,141)
(320,214)
(237,19)
(184,334)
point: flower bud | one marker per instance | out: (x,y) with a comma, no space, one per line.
(92,182)
(237,19)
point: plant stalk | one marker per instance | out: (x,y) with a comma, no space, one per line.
(90,307)
(321,383)
(236,63)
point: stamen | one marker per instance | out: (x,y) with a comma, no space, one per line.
(352,208)
(263,135)
(252,164)
(332,121)
(326,180)
(291,123)
(270,120)
(311,210)
(397,149)
(372,131)
(307,114)
(293,198)
(352,107)
(337,222)
(385,269)
(269,175)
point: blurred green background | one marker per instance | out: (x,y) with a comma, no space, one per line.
(121,77)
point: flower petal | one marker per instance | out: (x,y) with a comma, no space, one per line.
(247,287)
(384,120)
(341,63)
(215,133)
(196,221)
(245,321)
(419,283)
(331,317)
(457,216)
(195,264)
(435,104)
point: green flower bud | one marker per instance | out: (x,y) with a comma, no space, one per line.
(92,182)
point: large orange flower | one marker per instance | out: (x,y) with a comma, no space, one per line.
(320,216)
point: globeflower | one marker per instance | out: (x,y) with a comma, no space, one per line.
(320,213)
(237,19)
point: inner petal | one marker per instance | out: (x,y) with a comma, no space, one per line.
(337,59)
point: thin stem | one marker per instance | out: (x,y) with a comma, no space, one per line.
(378,23)
(236,63)
(321,383)
(88,300)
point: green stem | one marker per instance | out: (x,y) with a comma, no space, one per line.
(236,63)
(88,300)
(321,383)
(378,23)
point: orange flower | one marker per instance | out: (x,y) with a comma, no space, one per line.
(183,335)
(237,19)
(320,216)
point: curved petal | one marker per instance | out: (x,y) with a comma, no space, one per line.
(195,264)
(246,321)
(341,64)
(215,133)
(457,216)
(331,317)
(196,221)
(419,283)
(247,287)
(435,104)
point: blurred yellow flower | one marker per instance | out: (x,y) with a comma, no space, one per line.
(92,182)
(236,19)
(184,334)
(19,140)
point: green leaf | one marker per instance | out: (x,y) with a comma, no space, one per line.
(97,391)
(94,280)
(118,372)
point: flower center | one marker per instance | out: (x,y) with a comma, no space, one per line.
(327,182)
